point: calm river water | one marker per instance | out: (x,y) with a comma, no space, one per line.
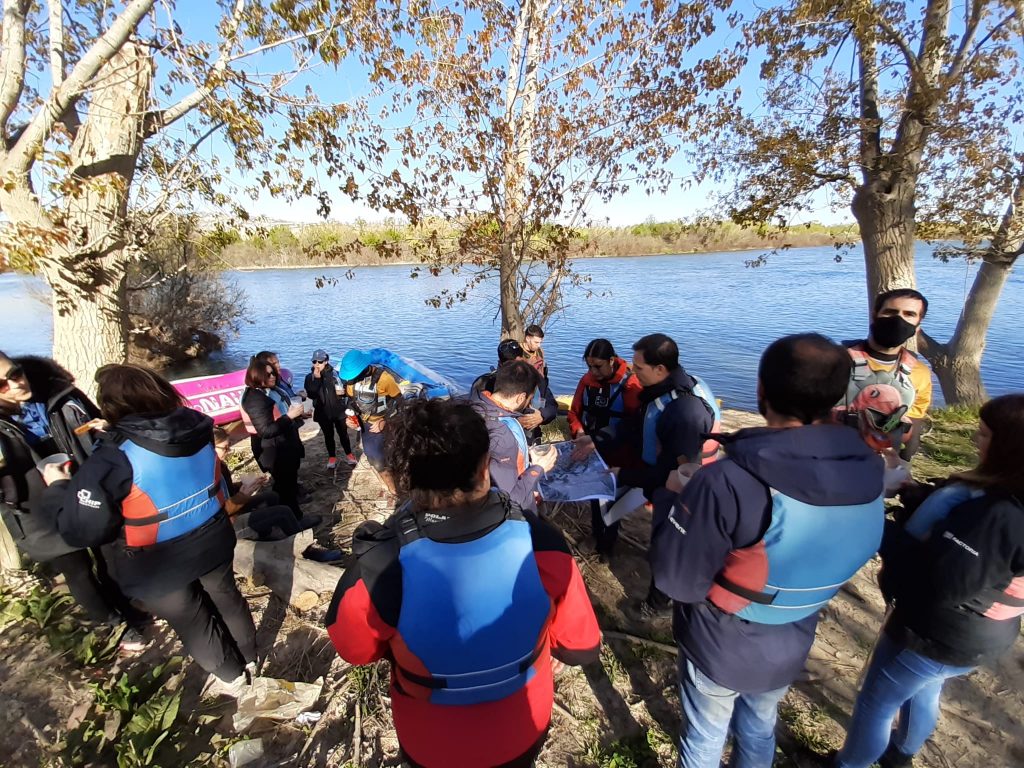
(721,312)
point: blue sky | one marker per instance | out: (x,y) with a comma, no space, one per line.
(348,82)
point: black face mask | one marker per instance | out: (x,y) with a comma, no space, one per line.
(891,331)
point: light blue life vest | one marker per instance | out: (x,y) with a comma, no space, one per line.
(806,555)
(523,459)
(474,615)
(937,507)
(654,410)
(171,496)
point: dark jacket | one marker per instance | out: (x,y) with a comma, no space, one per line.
(328,405)
(941,587)
(681,431)
(510,469)
(90,513)
(67,407)
(276,442)
(31,522)
(726,506)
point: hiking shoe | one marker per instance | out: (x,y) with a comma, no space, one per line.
(332,463)
(321,555)
(132,641)
(351,460)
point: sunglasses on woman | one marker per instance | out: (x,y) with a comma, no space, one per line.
(15,372)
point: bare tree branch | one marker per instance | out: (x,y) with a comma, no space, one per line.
(973,11)
(12,60)
(63,97)
(160,119)
(56,42)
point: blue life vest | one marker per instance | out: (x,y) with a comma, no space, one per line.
(171,496)
(937,507)
(806,555)
(652,415)
(523,459)
(474,615)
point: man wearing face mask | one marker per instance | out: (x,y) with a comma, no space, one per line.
(883,358)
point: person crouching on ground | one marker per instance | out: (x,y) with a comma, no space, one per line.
(152,496)
(472,647)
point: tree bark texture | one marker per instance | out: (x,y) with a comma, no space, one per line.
(887,227)
(88,272)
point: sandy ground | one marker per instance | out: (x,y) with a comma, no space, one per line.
(622,712)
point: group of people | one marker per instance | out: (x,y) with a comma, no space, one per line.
(474,597)
(471,594)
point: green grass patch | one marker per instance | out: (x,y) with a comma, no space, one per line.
(949,446)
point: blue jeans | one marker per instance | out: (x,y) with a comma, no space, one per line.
(898,680)
(711,711)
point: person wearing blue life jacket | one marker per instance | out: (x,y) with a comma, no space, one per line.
(757,543)
(953,573)
(512,469)
(375,396)
(475,602)
(153,498)
(677,416)
(28,507)
(542,407)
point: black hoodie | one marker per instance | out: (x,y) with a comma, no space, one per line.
(90,507)
(67,407)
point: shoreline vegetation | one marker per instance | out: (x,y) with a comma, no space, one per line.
(392,243)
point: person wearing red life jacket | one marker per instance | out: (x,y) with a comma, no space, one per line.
(607,398)
(953,573)
(152,497)
(757,543)
(475,602)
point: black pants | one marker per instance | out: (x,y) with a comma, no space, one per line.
(266,512)
(286,484)
(605,536)
(93,589)
(212,621)
(329,428)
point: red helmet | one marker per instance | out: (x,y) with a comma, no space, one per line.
(881,416)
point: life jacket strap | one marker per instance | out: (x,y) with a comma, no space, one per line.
(439,682)
(160,517)
(754,596)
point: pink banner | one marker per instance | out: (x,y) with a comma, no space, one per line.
(218,396)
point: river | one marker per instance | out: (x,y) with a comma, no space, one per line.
(721,312)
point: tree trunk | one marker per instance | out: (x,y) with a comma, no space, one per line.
(87,274)
(10,556)
(958,363)
(887,229)
(508,277)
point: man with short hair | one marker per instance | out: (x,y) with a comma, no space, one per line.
(883,358)
(675,418)
(510,464)
(801,499)
(533,337)
(542,408)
